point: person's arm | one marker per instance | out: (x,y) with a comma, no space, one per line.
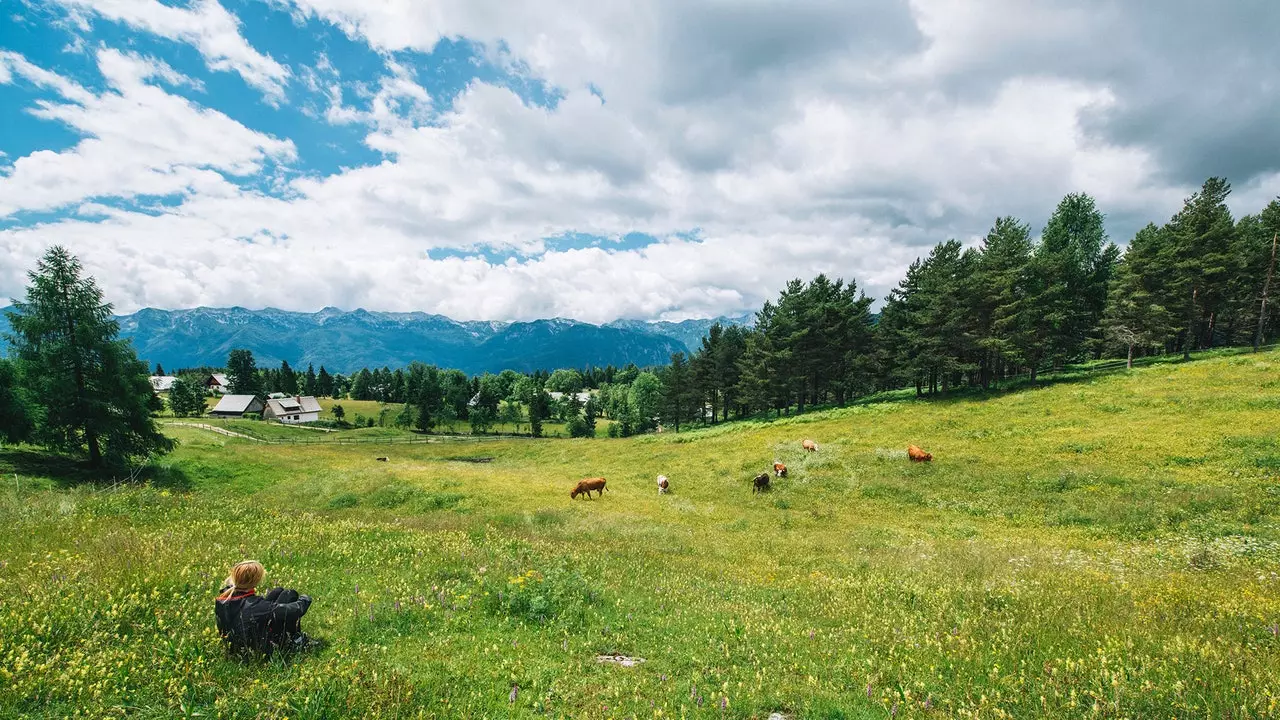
(292,610)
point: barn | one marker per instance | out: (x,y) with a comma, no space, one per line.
(233,406)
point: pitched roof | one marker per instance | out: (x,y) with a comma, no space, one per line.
(221,379)
(162,383)
(293,404)
(234,404)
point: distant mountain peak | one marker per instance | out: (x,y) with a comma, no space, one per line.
(347,340)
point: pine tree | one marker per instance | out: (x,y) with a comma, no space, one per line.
(1202,234)
(89,392)
(242,372)
(998,290)
(159,369)
(678,394)
(362,385)
(1135,316)
(288,379)
(430,399)
(310,381)
(539,410)
(324,383)
(1072,265)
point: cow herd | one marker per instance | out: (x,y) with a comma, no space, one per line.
(760,483)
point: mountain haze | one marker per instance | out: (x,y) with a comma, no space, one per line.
(344,341)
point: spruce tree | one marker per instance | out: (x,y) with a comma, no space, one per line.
(324,383)
(310,380)
(89,392)
(242,372)
(288,379)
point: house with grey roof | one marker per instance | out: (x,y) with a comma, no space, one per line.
(162,383)
(233,406)
(292,410)
(219,383)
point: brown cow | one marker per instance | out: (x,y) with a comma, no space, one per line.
(760,483)
(586,486)
(810,445)
(779,470)
(918,455)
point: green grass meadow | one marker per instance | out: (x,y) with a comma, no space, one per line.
(1104,546)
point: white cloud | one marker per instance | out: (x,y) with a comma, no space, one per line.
(206,25)
(819,136)
(138,139)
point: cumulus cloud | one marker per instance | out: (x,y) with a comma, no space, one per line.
(139,139)
(757,142)
(206,25)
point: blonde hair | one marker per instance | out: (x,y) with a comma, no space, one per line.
(244,576)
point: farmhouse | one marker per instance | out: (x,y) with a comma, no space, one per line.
(162,383)
(292,410)
(218,383)
(236,406)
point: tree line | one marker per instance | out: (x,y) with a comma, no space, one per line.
(1012,306)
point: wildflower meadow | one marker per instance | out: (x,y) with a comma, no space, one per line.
(1106,546)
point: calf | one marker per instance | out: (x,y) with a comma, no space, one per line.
(760,483)
(918,455)
(779,470)
(810,445)
(663,485)
(586,486)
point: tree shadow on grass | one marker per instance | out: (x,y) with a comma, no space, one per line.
(65,471)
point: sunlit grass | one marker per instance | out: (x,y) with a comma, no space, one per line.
(1106,546)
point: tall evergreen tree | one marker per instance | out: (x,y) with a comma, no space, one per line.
(539,410)
(998,289)
(1202,234)
(288,379)
(678,394)
(430,399)
(1072,265)
(1135,316)
(242,372)
(91,392)
(324,383)
(15,413)
(310,381)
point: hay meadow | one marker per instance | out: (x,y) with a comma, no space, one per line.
(1106,546)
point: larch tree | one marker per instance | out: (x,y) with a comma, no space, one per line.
(91,394)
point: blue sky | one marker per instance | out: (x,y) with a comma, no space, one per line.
(667,159)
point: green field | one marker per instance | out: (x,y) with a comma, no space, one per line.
(1107,546)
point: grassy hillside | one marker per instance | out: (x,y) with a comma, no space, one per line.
(1105,547)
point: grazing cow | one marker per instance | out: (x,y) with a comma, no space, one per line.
(663,485)
(810,445)
(779,470)
(918,455)
(382,459)
(586,486)
(760,483)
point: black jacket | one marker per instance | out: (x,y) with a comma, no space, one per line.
(261,624)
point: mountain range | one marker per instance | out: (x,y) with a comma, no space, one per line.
(345,341)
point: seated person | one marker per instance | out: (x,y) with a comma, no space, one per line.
(260,624)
